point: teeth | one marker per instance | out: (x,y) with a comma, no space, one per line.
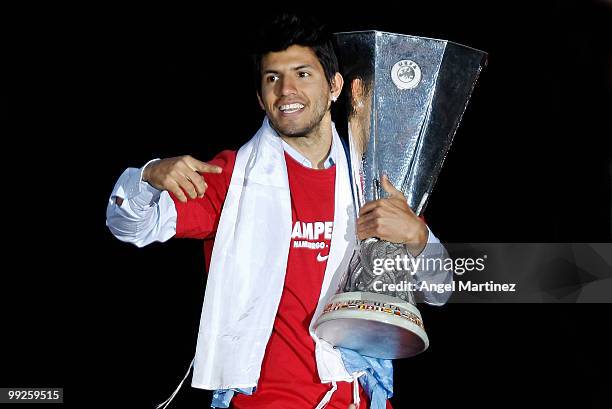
(290,108)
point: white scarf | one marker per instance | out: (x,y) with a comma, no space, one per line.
(248,265)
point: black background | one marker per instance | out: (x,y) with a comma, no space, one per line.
(100,89)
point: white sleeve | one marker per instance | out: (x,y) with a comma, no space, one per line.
(432,272)
(145,214)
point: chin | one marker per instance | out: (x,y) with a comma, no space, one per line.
(296,133)
(291,131)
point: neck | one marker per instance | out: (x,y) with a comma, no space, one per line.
(316,145)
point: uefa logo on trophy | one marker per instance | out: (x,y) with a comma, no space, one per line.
(406,96)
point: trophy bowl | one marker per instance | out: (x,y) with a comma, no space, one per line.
(405,97)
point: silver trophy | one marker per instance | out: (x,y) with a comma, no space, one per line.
(406,96)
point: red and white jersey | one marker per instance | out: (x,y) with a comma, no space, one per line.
(288,376)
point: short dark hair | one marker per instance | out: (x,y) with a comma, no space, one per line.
(285,30)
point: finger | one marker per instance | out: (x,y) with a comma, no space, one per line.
(198,182)
(187,186)
(203,167)
(351,406)
(370,229)
(370,206)
(389,188)
(376,214)
(176,190)
(365,233)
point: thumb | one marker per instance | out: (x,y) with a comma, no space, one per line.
(389,188)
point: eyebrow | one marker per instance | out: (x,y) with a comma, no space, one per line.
(299,67)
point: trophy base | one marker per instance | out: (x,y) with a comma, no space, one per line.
(374,325)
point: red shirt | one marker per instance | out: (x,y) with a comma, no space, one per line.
(289,377)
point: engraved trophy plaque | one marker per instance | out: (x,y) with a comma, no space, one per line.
(405,99)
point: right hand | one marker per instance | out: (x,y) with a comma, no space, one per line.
(179,175)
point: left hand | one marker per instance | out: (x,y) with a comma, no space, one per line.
(391,219)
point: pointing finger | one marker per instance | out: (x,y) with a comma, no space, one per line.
(204,167)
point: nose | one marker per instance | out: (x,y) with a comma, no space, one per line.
(288,86)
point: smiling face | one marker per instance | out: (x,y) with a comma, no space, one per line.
(294,91)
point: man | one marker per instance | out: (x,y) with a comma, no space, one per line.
(280,213)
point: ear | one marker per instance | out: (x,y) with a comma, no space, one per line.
(260,101)
(336,85)
(356,91)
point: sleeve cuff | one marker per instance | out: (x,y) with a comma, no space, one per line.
(144,193)
(130,186)
(433,248)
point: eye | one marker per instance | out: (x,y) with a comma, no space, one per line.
(271,78)
(303,74)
